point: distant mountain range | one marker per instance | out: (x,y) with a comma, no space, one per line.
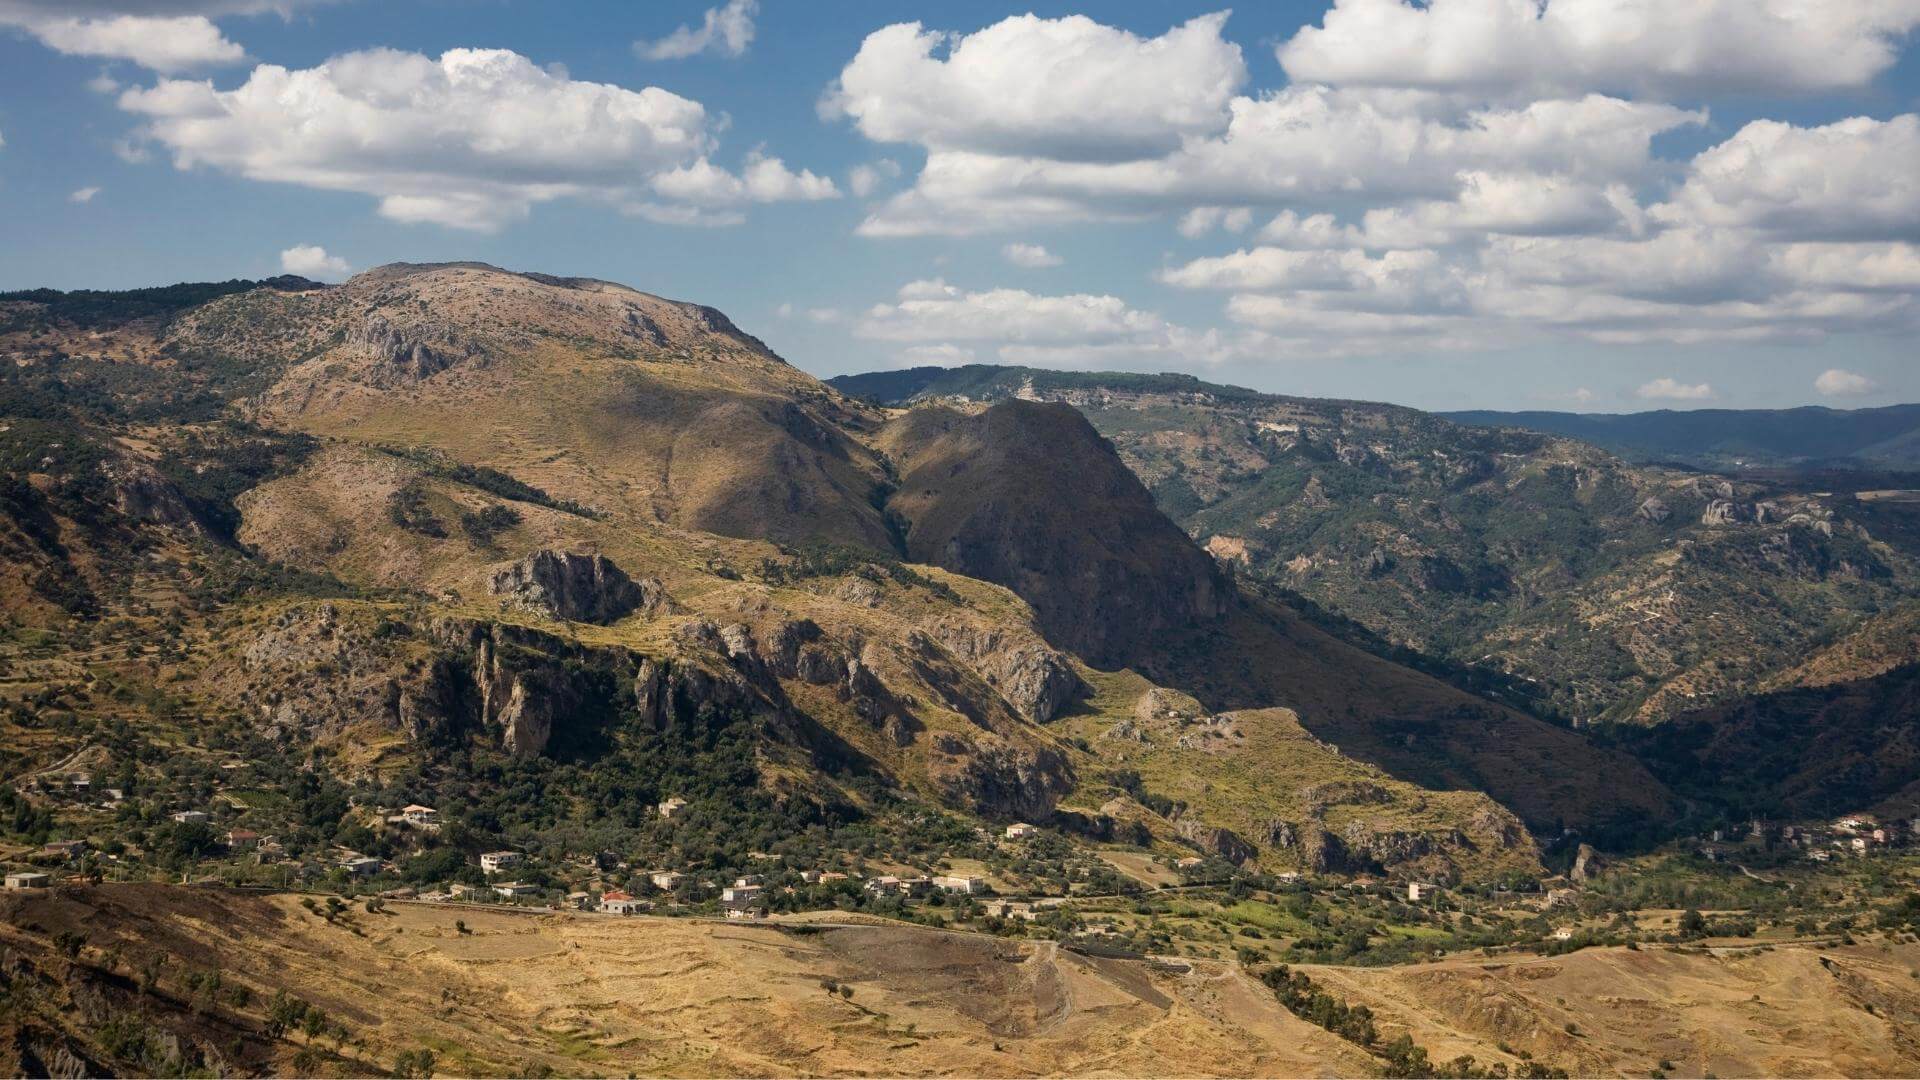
(1720,438)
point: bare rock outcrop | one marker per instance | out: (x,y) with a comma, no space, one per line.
(1721,512)
(998,780)
(1160,706)
(1587,864)
(1218,842)
(577,588)
(407,354)
(1036,680)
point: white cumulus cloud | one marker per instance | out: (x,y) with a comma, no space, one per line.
(1552,47)
(83,195)
(1838,382)
(472,139)
(165,43)
(1669,389)
(1030,256)
(724,30)
(312,261)
(1068,88)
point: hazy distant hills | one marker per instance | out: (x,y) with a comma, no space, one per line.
(1884,437)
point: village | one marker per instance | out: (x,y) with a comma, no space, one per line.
(1019,879)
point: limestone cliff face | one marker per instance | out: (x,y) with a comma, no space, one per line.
(1029,496)
(576,587)
(1036,680)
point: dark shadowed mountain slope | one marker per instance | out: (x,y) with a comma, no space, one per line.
(1031,497)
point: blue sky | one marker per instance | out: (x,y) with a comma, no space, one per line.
(1590,207)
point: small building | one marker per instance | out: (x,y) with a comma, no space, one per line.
(1419,891)
(748,879)
(1564,933)
(955,883)
(1010,909)
(28,879)
(495,861)
(666,880)
(916,886)
(462,889)
(420,815)
(360,865)
(1189,862)
(65,849)
(1022,831)
(743,911)
(740,894)
(884,885)
(511,889)
(618,902)
(832,875)
(671,807)
(811,877)
(242,839)
(1562,897)
(190,817)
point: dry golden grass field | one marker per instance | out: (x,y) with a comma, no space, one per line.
(584,994)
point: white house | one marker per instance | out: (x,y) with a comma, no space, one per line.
(1565,933)
(1022,831)
(739,894)
(28,879)
(420,815)
(190,817)
(361,865)
(617,902)
(884,885)
(511,889)
(495,861)
(1418,891)
(959,884)
(666,880)
(671,807)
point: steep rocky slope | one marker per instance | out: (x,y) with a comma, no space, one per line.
(1031,497)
